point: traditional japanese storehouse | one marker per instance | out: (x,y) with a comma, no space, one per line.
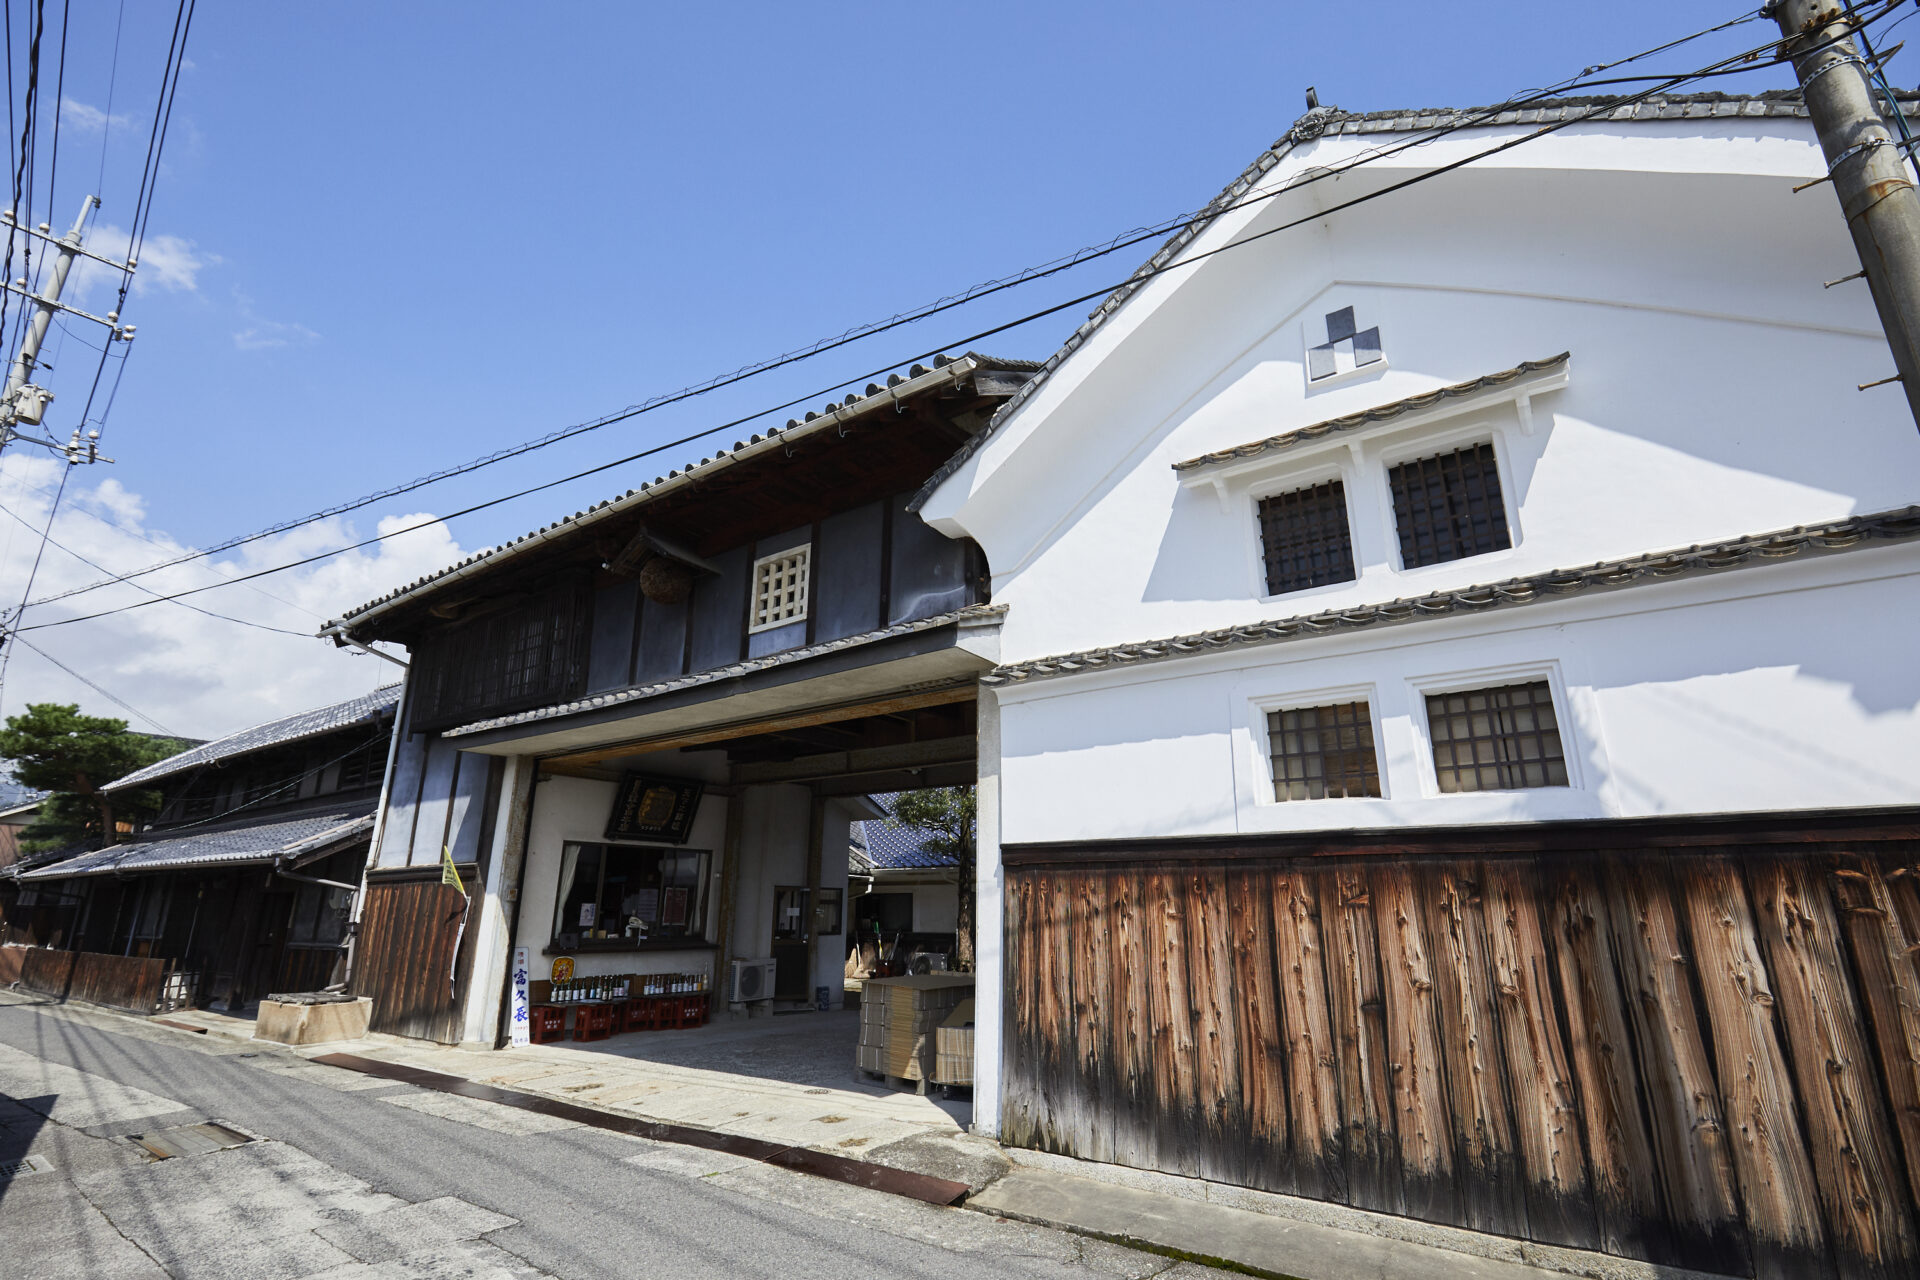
(246,878)
(1457,712)
(640,733)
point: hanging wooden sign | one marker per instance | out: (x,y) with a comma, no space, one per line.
(660,809)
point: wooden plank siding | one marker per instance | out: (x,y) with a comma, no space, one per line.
(409,930)
(1698,1056)
(133,983)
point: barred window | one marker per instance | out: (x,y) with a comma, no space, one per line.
(1305,537)
(779,589)
(1496,739)
(364,768)
(1323,752)
(1448,506)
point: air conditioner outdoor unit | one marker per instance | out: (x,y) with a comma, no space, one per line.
(752,980)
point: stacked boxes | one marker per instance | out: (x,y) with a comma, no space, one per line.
(898,1019)
(953,1047)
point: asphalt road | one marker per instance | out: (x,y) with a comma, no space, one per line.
(354,1178)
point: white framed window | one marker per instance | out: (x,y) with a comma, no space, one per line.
(1497,729)
(1318,744)
(780,589)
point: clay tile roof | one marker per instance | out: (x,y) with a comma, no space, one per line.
(365,709)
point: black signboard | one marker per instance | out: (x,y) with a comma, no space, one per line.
(659,809)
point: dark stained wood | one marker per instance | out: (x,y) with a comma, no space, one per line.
(1850,1137)
(1312,1081)
(132,983)
(1626,1197)
(1359,1026)
(410,928)
(1420,1117)
(1264,1092)
(1216,1086)
(1685,1059)
(1679,1093)
(1164,909)
(1470,1038)
(1763,1125)
(1539,1077)
(1884,952)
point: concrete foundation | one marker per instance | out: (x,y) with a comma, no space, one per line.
(312,1023)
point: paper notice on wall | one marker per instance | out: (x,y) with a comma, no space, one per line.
(673,906)
(518,1021)
(587,910)
(647,905)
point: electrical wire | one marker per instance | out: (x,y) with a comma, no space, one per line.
(59,546)
(113,75)
(1605,106)
(279,787)
(913,316)
(110,697)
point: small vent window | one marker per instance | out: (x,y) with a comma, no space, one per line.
(780,589)
(1323,753)
(1305,538)
(1448,507)
(1497,739)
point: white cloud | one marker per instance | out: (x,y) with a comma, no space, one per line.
(260,334)
(166,262)
(75,114)
(197,675)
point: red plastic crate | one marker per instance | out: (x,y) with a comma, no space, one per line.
(593,1021)
(639,1014)
(547,1024)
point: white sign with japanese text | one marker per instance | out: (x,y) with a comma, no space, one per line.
(517,1024)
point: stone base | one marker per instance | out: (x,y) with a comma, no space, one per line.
(312,1023)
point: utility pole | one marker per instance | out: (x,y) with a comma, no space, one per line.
(1864,163)
(23,402)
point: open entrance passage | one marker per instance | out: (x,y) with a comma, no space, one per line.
(728,894)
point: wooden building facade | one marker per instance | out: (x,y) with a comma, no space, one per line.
(766,635)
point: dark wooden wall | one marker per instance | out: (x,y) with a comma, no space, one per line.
(403,958)
(1701,1057)
(133,983)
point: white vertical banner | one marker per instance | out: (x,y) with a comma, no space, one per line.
(517,1032)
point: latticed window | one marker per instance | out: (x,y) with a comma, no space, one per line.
(1496,739)
(779,589)
(1449,506)
(1323,752)
(363,768)
(1305,537)
(528,654)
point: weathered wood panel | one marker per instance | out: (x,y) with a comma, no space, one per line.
(133,983)
(1698,1058)
(410,929)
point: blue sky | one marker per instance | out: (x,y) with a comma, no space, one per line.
(388,238)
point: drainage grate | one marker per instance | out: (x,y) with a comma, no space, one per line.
(191,1140)
(20,1168)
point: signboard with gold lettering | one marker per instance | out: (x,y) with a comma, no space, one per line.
(659,809)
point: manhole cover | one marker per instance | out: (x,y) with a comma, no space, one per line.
(20,1168)
(191,1140)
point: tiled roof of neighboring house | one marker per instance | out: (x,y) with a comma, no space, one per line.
(365,709)
(1546,112)
(616,697)
(15,794)
(1828,539)
(891,848)
(918,379)
(285,839)
(1367,417)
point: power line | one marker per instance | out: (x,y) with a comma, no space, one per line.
(118,702)
(975,293)
(1138,277)
(59,546)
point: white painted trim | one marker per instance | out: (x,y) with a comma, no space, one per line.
(802,550)
(989,925)
(1470,679)
(1260,706)
(492,949)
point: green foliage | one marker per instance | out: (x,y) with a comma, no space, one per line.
(56,749)
(947,812)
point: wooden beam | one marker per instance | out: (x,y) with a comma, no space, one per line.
(967,692)
(834,764)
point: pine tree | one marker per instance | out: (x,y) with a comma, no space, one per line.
(949,813)
(56,749)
